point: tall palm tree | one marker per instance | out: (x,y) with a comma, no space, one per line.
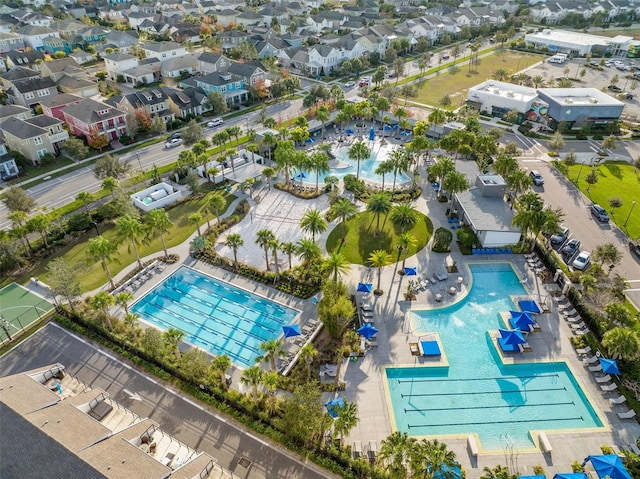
(271,350)
(432,459)
(274,245)
(196,218)
(498,472)
(343,209)
(158,222)
(122,299)
(405,241)
(102,301)
(262,239)
(519,182)
(336,264)
(219,367)
(379,259)
(622,342)
(171,339)
(313,222)
(396,452)
(253,376)
(110,184)
(216,203)
(379,203)
(319,163)
(437,117)
(101,249)
(270,381)
(234,131)
(269,141)
(234,241)
(307,353)
(268,173)
(285,155)
(455,182)
(288,248)
(347,419)
(505,165)
(404,216)
(400,161)
(86,198)
(18,220)
(308,251)
(441,168)
(322,115)
(358,151)
(383,168)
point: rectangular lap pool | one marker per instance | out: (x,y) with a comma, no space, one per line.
(215,316)
(476,393)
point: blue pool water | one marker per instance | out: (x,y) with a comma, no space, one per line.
(379,153)
(215,316)
(476,393)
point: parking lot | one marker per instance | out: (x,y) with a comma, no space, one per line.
(594,77)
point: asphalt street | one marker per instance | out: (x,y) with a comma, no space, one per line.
(201,428)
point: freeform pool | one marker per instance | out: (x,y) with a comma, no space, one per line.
(214,315)
(476,393)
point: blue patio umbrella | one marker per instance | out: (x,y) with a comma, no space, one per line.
(512,337)
(405,133)
(609,465)
(388,127)
(372,134)
(410,271)
(367,331)
(521,320)
(349,131)
(291,331)
(609,366)
(364,287)
(395,127)
(571,475)
(301,175)
(530,306)
(333,405)
(309,140)
(448,472)
(538,476)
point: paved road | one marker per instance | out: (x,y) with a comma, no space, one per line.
(200,428)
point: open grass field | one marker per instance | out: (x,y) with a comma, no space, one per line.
(361,242)
(457,81)
(19,307)
(615,179)
(92,275)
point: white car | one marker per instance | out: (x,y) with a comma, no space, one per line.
(582,261)
(215,122)
(173,143)
(350,84)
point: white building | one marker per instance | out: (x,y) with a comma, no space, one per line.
(576,43)
(496,98)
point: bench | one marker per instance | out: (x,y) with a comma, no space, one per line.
(545,445)
(472,445)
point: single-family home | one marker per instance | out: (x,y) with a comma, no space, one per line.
(212,62)
(53,106)
(233,39)
(249,18)
(178,66)
(120,40)
(56,69)
(14,111)
(32,91)
(154,100)
(68,29)
(163,50)
(81,57)
(231,86)
(89,116)
(34,137)
(17,73)
(227,17)
(249,72)
(11,41)
(191,101)
(77,85)
(117,63)
(37,19)
(32,59)
(33,35)
(136,18)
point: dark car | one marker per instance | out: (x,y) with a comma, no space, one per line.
(571,248)
(614,88)
(599,213)
(175,136)
(634,247)
(560,236)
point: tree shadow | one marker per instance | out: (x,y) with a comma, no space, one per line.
(612,168)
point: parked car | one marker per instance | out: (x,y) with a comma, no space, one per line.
(560,236)
(607,64)
(536,177)
(599,213)
(215,122)
(594,64)
(350,84)
(614,88)
(571,248)
(582,261)
(628,96)
(635,248)
(173,143)
(174,136)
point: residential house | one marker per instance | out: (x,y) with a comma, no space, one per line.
(137,18)
(233,39)
(32,59)
(56,69)
(123,41)
(80,86)
(231,86)
(249,72)
(33,35)
(53,44)
(178,66)
(53,106)
(163,50)
(249,18)
(186,33)
(117,63)
(32,140)
(155,28)
(37,19)
(212,62)
(68,29)
(88,116)
(14,111)
(32,91)
(227,17)
(192,101)
(11,41)
(81,57)
(154,101)
(17,73)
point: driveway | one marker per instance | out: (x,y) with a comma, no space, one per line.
(199,427)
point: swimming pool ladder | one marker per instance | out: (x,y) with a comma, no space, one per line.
(510,452)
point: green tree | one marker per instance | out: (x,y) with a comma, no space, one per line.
(405,241)
(158,223)
(519,182)
(556,142)
(171,339)
(607,253)
(441,168)
(303,418)
(379,259)
(263,237)
(396,452)
(253,376)
(336,265)
(63,280)
(347,419)
(123,299)
(129,228)
(217,102)
(86,198)
(16,199)
(101,249)
(110,184)
(234,241)
(455,182)
(217,203)
(358,151)
(271,350)
(218,369)
(404,216)
(268,173)
(313,222)
(343,209)
(193,133)
(308,251)
(432,459)
(288,248)
(40,224)
(75,148)
(196,218)
(379,203)
(622,342)
(498,472)
(614,203)
(335,309)
(383,168)
(307,354)
(151,342)
(618,315)
(102,301)
(110,166)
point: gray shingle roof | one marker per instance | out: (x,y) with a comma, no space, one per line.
(34,84)
(21,129)
(87,111)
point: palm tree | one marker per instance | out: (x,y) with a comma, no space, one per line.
(405,241)
(219,367)
(288,248)
(196,218)
(343,209)
(500,74)
(358,151)
(270,381)
(395,452)
(171,339)
(285,155)
(307,353)
(319,163)
(18,220)
(268,173)
(102,301)
(336,264)
(271,349)
(41,224)
(404,216)
(234,131)
(308,251)
(216,203)
(212,173)
(379,259)
(383,168)
(234,241)
(498,472)
(313,222)
(159,222)
(101,249)
(274,244)
(437,117)
(253,376)
(400,161)
(622,342)
(379,203)
(322,115)
(519,182)
(607,253)
(86,198)
(130,228)
(262,239)
(441,168)
(455,182)
(505,165)
(347,419)
(110,184)
(199,244)
(432,459)
(123,298)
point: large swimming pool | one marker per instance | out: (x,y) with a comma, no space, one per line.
(476,393)
(214,315)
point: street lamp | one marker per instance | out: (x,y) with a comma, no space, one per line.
(139,163)
(95,225)
(633,205)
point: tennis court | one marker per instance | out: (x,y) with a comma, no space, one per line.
(20,308)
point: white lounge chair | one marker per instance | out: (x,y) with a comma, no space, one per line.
(574,319)
(571,312)
(591,360)
(583,351)
(595,369)
(618,400)
(609,387)
(628,415)
(560,300)
(632,445)
(604,379)
(580,332)
(579,325)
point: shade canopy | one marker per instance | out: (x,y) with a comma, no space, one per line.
(372,134)
(405,133)
(571,475)
(387,127)
(609,465)
(410,271)
(349,131)
(609,366)
(365,287)
(512,337)
(367,331)
(291,331)
(333,406)
(309,140)
(530,306)
(448,472)
(521,319)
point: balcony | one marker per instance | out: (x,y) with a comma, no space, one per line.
(60,136)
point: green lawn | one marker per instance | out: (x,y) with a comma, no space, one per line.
(93,276)
(615,179)
(457,82)
(361,242)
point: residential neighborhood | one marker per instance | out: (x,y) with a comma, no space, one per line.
(317,239)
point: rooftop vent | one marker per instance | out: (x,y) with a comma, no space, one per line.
(593,100)
(510,94)
(226,77)
(568,101)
